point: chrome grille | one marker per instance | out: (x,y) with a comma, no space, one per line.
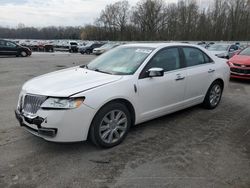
(240,65)
(32,103)
(240,71)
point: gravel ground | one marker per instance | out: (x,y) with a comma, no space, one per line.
(193,148)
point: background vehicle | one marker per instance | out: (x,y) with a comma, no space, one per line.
(224,50)
(11,48)
(88,49)
(240,64)
(105,48)
(202,44)
(73,47)
(128,85)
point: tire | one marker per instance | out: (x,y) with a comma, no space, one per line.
(213,96)
(23,54)
(88,52)
(106,131)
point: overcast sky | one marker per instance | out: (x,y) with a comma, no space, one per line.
(41,13)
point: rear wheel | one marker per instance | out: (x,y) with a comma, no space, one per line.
(110,125)
(213,95)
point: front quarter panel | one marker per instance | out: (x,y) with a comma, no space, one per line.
(122,89)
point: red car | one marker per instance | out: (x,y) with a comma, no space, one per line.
(240,64)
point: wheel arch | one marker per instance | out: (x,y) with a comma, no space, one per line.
(219,80)
(126,102)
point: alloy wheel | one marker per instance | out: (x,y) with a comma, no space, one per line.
(215,95)
(23,54)
(113,126)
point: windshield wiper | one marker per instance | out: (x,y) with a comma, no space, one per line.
(97,70)
(84,66)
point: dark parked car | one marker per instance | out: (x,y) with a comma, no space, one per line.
(88,49)
(11,48)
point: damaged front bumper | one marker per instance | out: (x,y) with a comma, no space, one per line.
(37,121)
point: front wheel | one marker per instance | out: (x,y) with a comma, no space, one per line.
(213,95)
(110,125)
(23,54)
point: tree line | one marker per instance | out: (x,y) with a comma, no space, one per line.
(41,33)
(151,20)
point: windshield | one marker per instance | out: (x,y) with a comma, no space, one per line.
(120,61)
(88,44)
(245,52)
(218,47)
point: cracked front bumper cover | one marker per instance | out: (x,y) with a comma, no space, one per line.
(50,132)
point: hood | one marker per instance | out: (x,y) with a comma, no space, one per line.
(23,47)
(67,82)
(241,59)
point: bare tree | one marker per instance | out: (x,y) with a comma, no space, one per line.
(154,20)
(148,16)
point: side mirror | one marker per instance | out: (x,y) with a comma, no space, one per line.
(155,72)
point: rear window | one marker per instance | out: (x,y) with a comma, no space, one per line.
(195,57)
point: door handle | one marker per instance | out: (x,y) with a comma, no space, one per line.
(179,77)
(210,70)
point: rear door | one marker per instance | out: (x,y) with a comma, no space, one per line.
(200,73)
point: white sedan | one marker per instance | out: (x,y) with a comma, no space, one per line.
(128,85)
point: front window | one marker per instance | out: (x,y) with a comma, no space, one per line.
(10,44)
(218,47)
(167,59)
(245,52)
(120,61)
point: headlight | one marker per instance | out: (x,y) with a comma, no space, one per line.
(62,103)
(230,63)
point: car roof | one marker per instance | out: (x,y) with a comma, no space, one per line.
(159,45)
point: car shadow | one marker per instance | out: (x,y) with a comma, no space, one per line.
(65,147)
(166,118)
(244,81)
(8,56)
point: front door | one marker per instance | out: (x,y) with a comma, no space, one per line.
(159,95)
(11,48)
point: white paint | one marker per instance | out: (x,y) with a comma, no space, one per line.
(154,97)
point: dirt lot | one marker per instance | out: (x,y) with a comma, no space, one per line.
(194,148)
